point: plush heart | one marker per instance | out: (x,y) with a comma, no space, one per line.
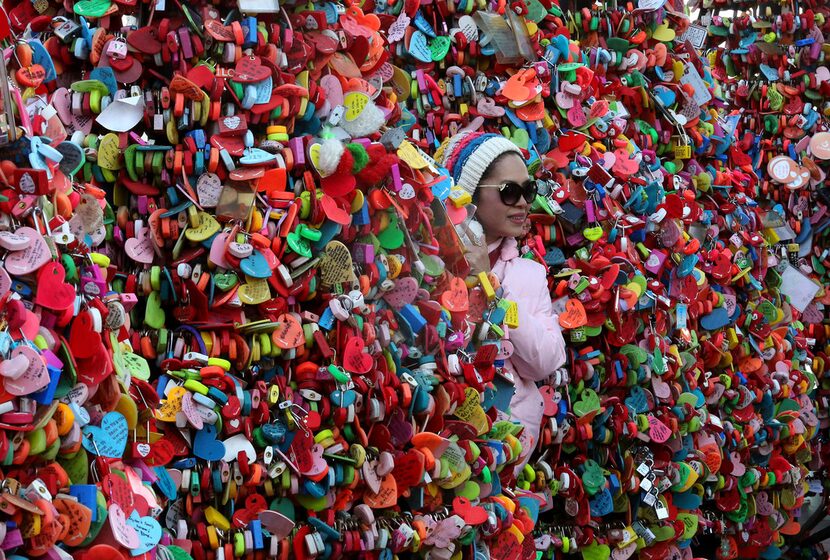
(206,446)
(52,292)
(140,248)
(34,378)
(574,315)
(354,359)
(34,256)
(110,438)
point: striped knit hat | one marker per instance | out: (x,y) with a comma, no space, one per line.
(467,155)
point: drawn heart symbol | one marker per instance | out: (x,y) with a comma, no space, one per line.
(34,378)
(206,446)
(574,315)
(34,256)
(140,248)
(403,293)
(354,359)
(52,292)
(232,122)
(110,438)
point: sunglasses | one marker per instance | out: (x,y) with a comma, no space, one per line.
(510,191)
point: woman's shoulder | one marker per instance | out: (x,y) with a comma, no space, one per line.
(525,271)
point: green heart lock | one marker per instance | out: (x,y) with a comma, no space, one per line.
(76,466)
(225,280)
(588,403)
(177,553)
(521,138)
(593,478)
(592,233)
(690,524)
(636,356)
(392,237)
(439,47)
(154,312)
(596,552)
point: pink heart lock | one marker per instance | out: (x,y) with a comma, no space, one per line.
(140,248)
(35,255)
(15,366)
(5,282)
(189,409)
(123,533)
(217,250)
(319,466)
(13,241)
(403,293)
(33,379)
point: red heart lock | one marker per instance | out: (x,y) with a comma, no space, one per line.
(472,515)
(53,293)
(354,359)
(144,40)
(83,337)
(249,69)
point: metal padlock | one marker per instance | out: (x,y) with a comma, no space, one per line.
(66,30)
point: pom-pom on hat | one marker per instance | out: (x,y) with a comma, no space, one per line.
(468,155)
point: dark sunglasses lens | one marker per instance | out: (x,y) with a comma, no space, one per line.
(512,192)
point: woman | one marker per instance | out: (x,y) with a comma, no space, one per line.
(492,169)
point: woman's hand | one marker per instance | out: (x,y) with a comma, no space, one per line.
(478,258)
(475,251)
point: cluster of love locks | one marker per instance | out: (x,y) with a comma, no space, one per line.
(235,317)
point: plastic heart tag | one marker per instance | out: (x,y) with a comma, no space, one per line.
(110,438)
(574,315)
(206,446)
(354,359)
(52,292)
(34,256)
(34,378)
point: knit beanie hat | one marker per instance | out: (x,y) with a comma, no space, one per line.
(467,155)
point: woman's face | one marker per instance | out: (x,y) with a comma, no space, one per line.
(496,218)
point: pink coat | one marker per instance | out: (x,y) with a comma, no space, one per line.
(539,348)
